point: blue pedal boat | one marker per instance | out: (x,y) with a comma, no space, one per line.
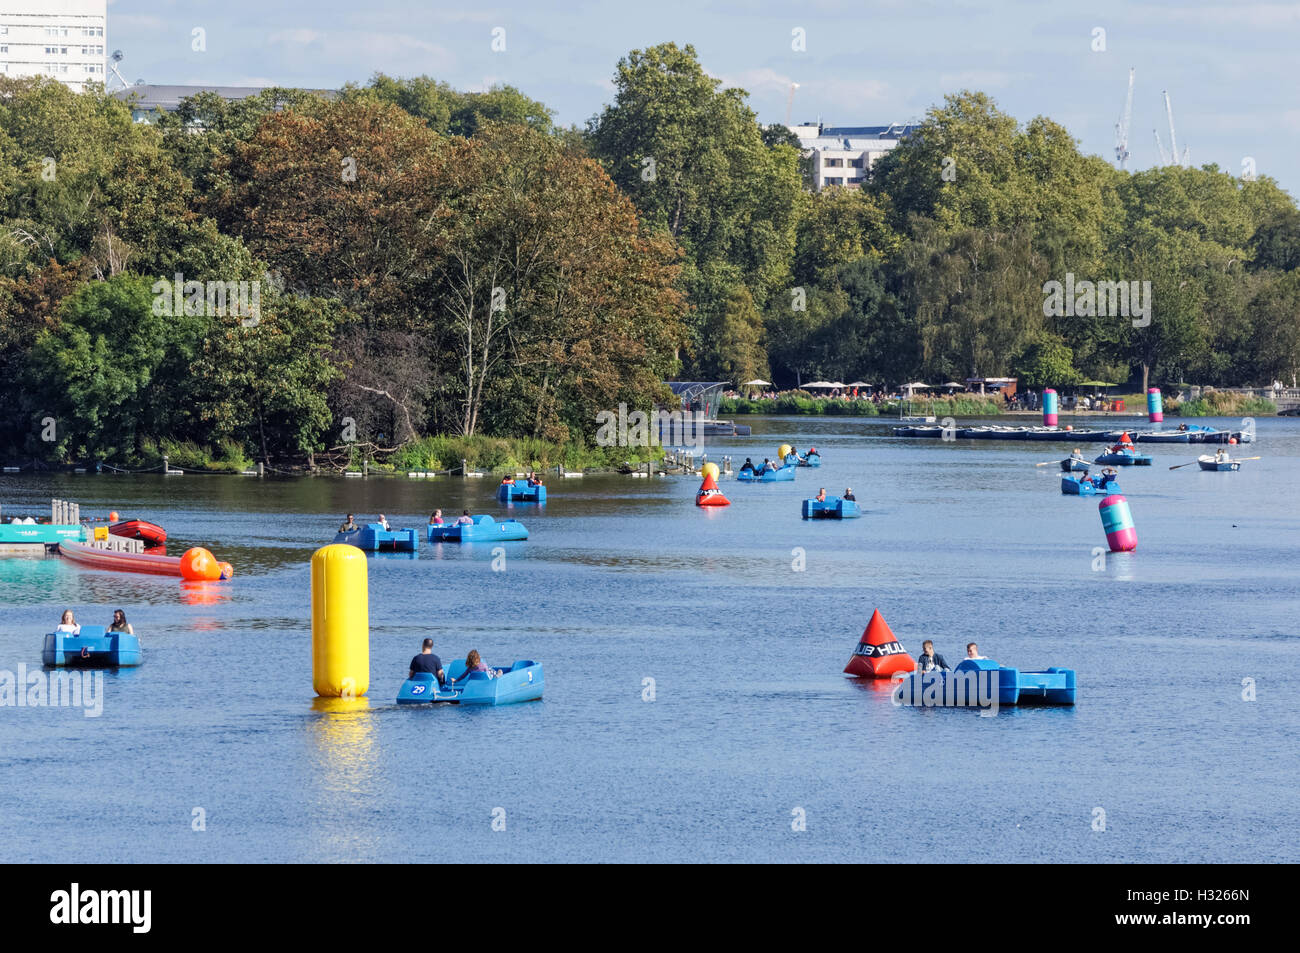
(521,493)
(803,460)
(93,647)
(831,508)
(1074,486)
(521,682)
(1124,459)
(373,537)
(765,474)
(962,686)
(483,529)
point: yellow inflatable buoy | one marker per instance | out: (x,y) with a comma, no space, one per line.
(709,469)
(783,452)
(340,622)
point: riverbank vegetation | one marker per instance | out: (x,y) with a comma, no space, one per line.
(1224,404)
(965,405)
(413,264)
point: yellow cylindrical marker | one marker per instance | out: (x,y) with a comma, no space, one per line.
(340,622)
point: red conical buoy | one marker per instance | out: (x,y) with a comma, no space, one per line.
(709,494)
(879,653)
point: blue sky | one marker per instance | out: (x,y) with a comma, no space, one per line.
(1230,68)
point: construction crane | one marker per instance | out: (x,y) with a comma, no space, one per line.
(789,103)
(1121,127)
(1164,156)
(1172,157)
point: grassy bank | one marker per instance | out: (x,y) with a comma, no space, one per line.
(802,403)
(512,454)
(1223,404)
(227,457)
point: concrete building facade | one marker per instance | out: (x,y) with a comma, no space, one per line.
(66,40)
(843,155)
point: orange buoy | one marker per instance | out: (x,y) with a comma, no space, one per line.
(198,564)
(112,516)
(227,570)
(709,494)
(879,653)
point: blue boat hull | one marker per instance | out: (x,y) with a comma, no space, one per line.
(520,493)
(94,647)
(483,529)
(832,508)
(521,682)
(373,538)
(1072,487)
(1070,465)
(961,687)
(767,476)
(1124,460)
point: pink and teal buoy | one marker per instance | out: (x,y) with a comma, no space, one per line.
(1117,521)
(1155,406)
(1049,408)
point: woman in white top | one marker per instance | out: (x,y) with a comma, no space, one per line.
(68,623)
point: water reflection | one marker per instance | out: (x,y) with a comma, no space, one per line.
(343,744)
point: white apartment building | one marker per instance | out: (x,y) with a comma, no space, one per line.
(844,155)
(63,39)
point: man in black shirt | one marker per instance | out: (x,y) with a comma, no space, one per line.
(426,661)
(928,661)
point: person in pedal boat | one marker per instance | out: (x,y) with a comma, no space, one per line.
(474,663)
(848,494)
(436,518)
(928,660)
(821,495)
(349,525)
(68,623)
(464,519)
(383,521)
(508,480)
(973,651)
(748,464)
(426,661)
(120,624)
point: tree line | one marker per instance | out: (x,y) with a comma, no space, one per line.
(429,261)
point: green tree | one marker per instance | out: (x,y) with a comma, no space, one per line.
(692,157)
(265,379)
(92,371)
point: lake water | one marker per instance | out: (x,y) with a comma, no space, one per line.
(752,726)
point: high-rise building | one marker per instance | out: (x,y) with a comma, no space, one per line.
(62,39)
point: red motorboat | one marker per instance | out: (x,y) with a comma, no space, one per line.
(151,533)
